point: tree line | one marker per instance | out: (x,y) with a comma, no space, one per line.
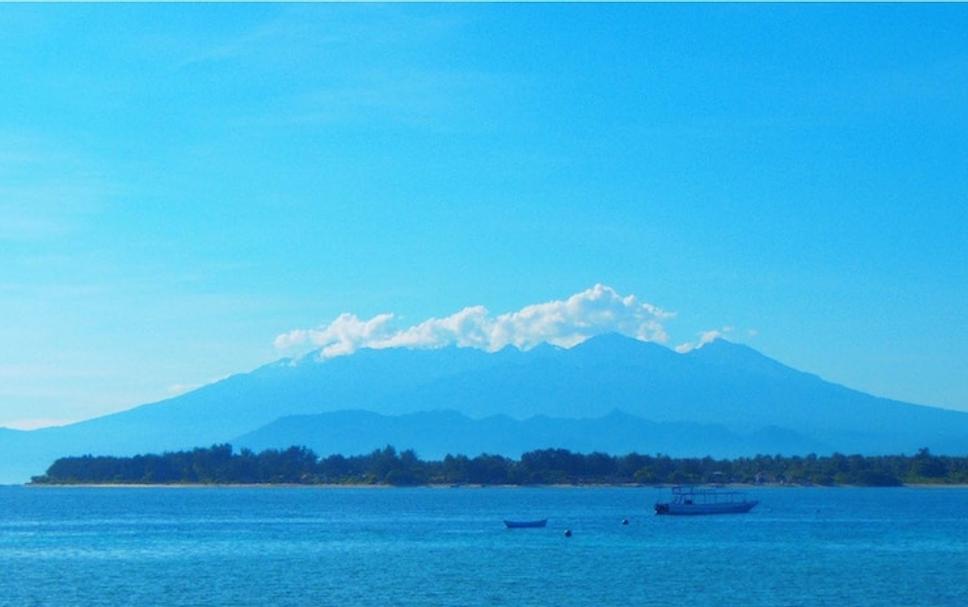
(220,464)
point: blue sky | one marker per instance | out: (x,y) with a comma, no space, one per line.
(180,184)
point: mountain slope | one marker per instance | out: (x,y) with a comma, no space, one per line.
(721,384)
(435,434)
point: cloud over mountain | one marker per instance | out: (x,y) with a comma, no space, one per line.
(565,323)
(705,337)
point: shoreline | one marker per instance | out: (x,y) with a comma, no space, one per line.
(741,486)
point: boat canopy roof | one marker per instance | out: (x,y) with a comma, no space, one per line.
(701,489)
(710,493)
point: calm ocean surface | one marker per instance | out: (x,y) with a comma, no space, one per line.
(380,547)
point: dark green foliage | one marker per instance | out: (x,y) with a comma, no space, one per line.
(298,465)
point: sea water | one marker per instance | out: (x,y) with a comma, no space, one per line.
(424,546)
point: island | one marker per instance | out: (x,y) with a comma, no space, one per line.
(222,465)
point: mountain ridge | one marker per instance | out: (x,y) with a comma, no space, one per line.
(720,384)
(434,434)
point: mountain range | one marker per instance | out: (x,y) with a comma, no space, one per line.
(611,393)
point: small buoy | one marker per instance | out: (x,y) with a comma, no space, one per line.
(625,521)
(567,532)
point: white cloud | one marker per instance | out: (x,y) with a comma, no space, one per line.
(344,335)
(704,338)
(565,323)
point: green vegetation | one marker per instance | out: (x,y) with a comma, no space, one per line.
(298,465)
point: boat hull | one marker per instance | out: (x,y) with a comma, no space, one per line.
(672,508)
(526,524)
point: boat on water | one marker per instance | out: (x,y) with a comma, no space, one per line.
(694,500)
(526,524)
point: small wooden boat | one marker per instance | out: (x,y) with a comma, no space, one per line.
(526,524)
